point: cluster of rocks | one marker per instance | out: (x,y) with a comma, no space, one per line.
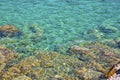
(94,61)
(40,66)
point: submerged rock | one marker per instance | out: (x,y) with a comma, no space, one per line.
(86,62)
(96,57)
(87,74)
(6,55)
(9,31)
(40,66)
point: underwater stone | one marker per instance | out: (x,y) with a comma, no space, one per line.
(6,55)
(9,31)
(87,74)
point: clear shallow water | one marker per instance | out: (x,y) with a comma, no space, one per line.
(64,22)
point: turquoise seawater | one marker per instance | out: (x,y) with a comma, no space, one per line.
(61,22)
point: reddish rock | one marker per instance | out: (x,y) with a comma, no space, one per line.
(114,72)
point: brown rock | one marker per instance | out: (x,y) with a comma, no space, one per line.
(6,55)
(114,70)
(9,31)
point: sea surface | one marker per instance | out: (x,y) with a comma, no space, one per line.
(59,23)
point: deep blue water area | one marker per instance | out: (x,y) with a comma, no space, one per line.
(63,22)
